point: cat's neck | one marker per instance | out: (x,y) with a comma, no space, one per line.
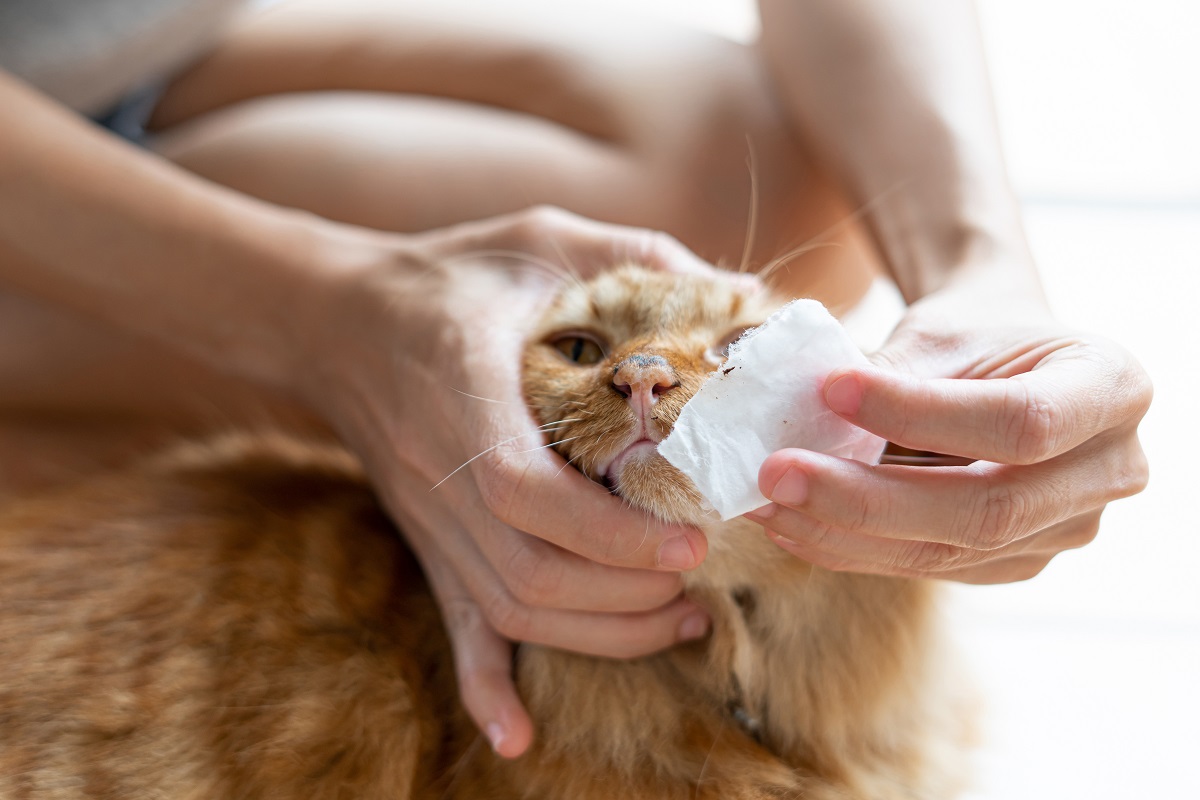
(814,668)
(793,644)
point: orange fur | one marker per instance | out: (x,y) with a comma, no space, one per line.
(238,619)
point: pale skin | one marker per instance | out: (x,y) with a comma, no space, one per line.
(187,289)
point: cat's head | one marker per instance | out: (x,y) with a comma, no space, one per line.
(612,364)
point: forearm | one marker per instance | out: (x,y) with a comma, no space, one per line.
(90,223)
(894,97)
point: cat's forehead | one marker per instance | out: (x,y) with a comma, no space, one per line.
(635,301)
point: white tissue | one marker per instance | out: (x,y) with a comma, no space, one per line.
(767,396)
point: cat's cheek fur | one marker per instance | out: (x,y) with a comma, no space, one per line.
(240,619)
(653,485)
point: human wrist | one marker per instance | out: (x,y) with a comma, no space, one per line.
(350,294)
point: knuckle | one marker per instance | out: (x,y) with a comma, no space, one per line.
(821,536)
(870,510)
(1001,512)
(927,557)
(611,547)
(510,618)
(461,616)
(1036,428)
(498,486)
(1024,569)
(663,245)
(1083,532)
(1142,392)
(656,249)
(502,485)
(1134,474)
(533,575)
(542,218)
(531,225)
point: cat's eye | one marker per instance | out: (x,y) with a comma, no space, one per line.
(580,348)
(720,351)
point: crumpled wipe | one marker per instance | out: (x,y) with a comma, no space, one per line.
(767,396)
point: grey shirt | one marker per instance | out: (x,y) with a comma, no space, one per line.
(90,53)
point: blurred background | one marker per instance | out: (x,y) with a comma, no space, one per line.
(1091,672)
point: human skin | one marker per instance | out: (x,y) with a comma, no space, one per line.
(506,558)
(175,304)
(978,367)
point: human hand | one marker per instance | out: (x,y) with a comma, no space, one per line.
(418,368)
(1050,414)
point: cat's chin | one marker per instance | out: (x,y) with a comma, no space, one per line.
(647,481)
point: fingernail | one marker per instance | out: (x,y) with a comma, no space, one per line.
(676,553)
(792,489)
(495,735)
(694,626)
(785,543)
(762,514)
(844,395)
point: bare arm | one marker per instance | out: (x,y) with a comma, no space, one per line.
(89,222)
(894,96)
(374,332)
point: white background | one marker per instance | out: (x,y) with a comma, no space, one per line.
(1090,671)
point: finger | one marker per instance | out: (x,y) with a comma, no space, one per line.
(528,486)
(1074,393)
(600,245)
(537,573)
(589,247)
(613,635)
(483,667)
(845,551)
(1026,559)
(533,490)
(1002,570)
(980,506)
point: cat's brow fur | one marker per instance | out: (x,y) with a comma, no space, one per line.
(238,619)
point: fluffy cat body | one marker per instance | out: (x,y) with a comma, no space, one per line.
(238,619)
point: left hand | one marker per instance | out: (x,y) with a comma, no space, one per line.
(1050,414)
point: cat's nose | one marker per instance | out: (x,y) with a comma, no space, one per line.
(643,378)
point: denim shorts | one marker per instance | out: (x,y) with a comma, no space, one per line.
(129,116)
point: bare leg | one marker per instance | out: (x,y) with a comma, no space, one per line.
(408,119)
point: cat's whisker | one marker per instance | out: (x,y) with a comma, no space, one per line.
(708,757)
(481,454)
(490,399)
(752,221)
(556,423)
(550,444)
(790,256)
(547,427)
(569,461)
(455,770)
(572,270)
(567,274)
(817,241)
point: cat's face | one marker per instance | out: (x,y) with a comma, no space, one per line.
(614,361)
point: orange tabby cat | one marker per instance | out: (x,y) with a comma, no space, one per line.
(239,620)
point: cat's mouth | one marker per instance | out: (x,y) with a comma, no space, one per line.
(610,470)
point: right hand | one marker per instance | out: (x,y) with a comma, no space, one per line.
(515,546)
